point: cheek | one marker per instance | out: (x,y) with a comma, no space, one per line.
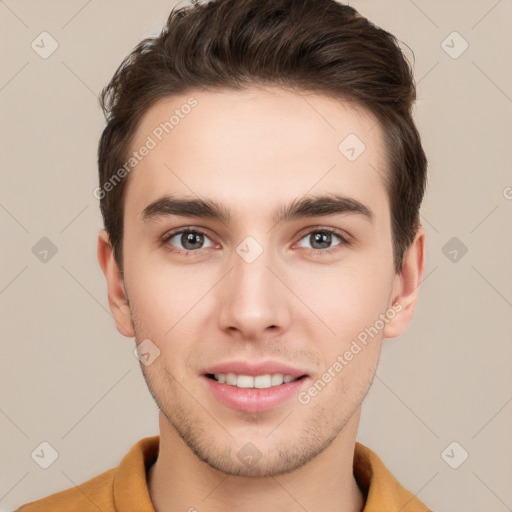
(351,308)
(347,299)
(352,354)
(160,293)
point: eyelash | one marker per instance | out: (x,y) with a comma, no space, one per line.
(344,241)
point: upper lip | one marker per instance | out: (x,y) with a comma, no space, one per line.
(253,369)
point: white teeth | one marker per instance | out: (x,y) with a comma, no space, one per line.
(276,379)
(231,379)
(259,382)
(244,381)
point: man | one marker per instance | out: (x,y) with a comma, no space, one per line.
(260,183)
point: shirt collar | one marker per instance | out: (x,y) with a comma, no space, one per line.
(380,487)
(376,482)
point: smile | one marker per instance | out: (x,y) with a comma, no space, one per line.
(248,381)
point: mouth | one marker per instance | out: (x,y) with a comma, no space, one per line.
(254,394)
(253,382)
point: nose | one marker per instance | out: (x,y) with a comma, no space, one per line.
(254,301)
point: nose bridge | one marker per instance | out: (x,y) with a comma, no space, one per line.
(253,298)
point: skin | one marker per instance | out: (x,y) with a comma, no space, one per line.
(254,150)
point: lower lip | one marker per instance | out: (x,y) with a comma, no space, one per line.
(254,399)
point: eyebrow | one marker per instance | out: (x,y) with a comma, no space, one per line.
(304,207)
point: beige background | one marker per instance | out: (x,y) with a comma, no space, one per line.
(67,376)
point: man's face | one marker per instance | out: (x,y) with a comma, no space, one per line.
(250,289)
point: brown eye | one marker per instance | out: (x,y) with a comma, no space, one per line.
(187,240)
(322,240)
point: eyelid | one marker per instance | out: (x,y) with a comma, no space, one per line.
(336,231)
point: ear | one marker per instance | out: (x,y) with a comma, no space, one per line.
(117,298)
(406,286)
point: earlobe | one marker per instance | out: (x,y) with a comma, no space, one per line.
(407,286)
(117,298)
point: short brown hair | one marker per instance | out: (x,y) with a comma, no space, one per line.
(320,46)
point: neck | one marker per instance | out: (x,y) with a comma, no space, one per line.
(179,481)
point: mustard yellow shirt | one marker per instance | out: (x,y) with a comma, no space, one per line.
(124,489)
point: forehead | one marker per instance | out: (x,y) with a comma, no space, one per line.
(250,147)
